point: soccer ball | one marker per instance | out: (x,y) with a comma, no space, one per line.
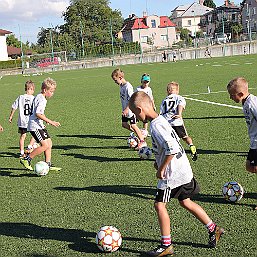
(232,191)
(145,153)
(132,142)
(108,239)
(41,168)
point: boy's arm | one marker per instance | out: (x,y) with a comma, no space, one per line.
(11,115)
(164,164)
(51,122)
(179,114)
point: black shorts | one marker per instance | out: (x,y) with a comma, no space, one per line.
(181,131)
(22,130)
(252,157)
(132,119)
(40,135)
(181,193)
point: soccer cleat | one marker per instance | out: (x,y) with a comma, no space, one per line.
(162,251)
(26,164)
(53,168)
(193,152)
(215,236)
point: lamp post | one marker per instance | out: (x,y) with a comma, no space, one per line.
(141,51)
(194,33)
(166,23)
(22,58)
(82,41)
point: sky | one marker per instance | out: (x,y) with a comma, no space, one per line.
(25,17)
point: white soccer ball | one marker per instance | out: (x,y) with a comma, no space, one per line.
(232,191)
(132,142)
(108,239)
(145,153)
(41,168)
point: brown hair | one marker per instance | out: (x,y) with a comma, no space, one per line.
(29,84)
(117,72)
(239,84)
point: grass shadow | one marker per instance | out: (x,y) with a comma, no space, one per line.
(94,136)
(216,117)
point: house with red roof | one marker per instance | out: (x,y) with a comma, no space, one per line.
(149,31)
(3,46)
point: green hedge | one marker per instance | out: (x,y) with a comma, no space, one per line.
(10,64)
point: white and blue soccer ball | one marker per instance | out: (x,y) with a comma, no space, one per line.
(108,239)
(232,191)
(145,153)
(41,168)
(132,142)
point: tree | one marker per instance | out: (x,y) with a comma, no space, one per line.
(209,3)
(11,40)
(237,28)
(92,21)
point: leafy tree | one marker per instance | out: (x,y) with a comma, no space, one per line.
(237,28)
(92,21)
(209,3)
(11,40)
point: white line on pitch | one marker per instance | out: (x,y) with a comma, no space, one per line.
(208,102)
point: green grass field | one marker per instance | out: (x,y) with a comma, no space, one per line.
(105,183)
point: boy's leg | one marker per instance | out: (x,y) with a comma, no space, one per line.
(21,142)
(215,232)
(189,142)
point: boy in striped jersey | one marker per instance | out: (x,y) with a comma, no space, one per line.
(37,128)
(174,173)
(24,104)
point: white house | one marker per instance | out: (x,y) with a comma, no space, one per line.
(3,46)
(150,31)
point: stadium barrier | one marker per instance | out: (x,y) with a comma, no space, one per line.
(231,49)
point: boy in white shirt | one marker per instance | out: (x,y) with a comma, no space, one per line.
(24,104)
(174,173)
(171,109)
(145,87)
(37,128)
(126,90)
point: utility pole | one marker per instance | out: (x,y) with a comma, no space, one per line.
(82,41)
(22,57)
(141,50)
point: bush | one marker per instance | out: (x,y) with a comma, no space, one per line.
(10,64)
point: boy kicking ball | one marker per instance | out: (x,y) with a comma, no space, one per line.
(174,173)
(37,128)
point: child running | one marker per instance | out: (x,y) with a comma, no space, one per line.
(145,86)
(126,90)
(171,109)
(174,173)
(37,128)
(24,104)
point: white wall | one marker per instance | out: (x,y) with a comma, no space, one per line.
(3,49)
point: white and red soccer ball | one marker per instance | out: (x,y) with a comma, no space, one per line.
(108,239)
(132,141)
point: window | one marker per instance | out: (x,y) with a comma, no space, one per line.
(164,37)
(153,22)
(144,39)
(189,23)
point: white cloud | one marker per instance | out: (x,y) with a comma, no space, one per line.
(30,10)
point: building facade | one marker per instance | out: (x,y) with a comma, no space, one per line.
(249,16)
(3,46)
(150,31)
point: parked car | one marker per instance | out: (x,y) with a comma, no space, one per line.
(47,62)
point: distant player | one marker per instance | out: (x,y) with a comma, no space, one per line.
(171,109)
(126,90)
(174,173)
(37,128)
(24,104)
(1,128)
(145,87)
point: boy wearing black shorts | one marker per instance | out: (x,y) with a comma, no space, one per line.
(37,128)
(174,173)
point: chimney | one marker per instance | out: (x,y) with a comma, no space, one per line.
(201,2)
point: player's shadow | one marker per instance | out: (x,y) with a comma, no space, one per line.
(8,155)
(79,240)
(70,147)
(102,159)
(216,117)
(145,192)
(94,136)
(219,199)
(7,172)
(208,151)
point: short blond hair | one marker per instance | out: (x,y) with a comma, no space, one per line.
(171,86)
(29,84)
(48,83)
(238,84)
(117,73)
(140,98)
